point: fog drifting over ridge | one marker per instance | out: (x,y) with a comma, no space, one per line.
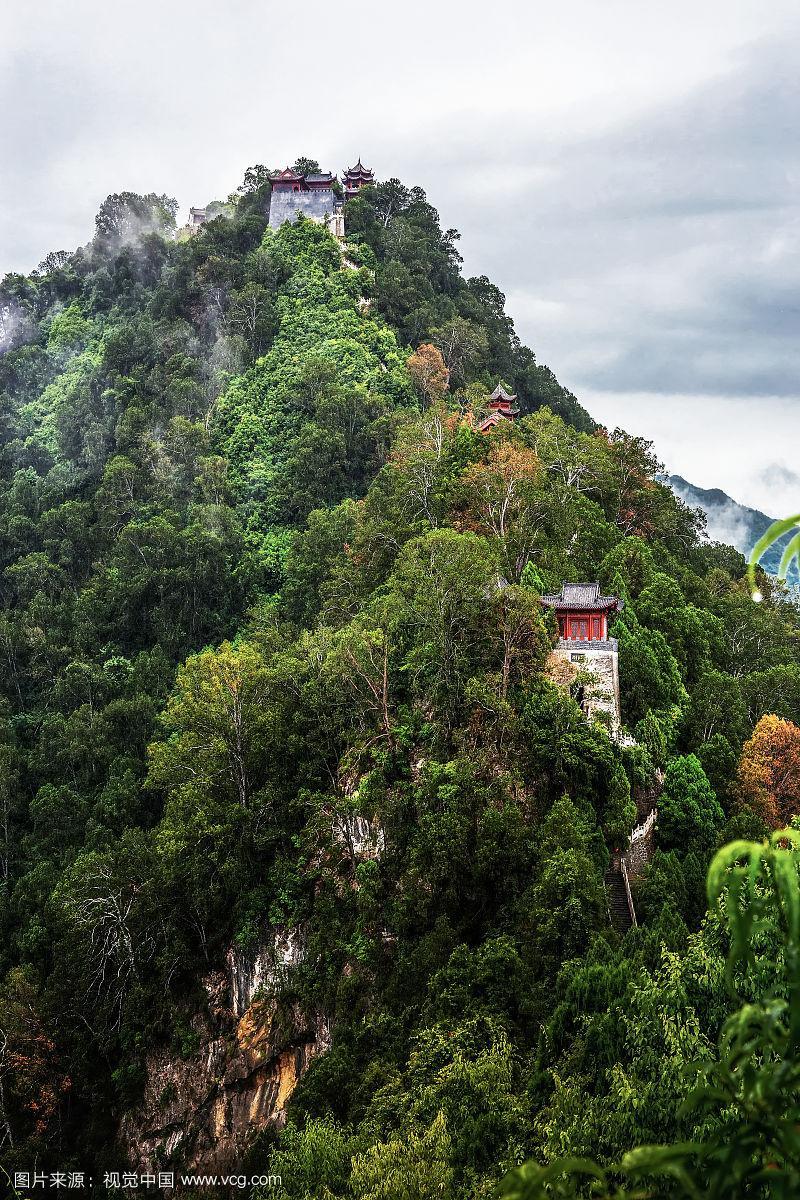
(627,177)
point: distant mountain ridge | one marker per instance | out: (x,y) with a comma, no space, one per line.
(730,522)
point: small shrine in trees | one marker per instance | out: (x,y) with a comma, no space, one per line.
(501,408)
(197,217)
(583,615)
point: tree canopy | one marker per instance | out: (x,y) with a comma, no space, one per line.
(263,576)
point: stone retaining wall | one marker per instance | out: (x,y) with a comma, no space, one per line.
(318,205)
(642,846)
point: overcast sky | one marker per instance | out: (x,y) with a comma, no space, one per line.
(626,171)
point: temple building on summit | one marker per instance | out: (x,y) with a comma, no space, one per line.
(501,408)
(313,195)
(354,178)
(583,615)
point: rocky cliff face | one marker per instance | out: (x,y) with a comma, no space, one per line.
(358,837)
(202,1111)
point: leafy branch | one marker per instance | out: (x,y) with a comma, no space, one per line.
(747,1101)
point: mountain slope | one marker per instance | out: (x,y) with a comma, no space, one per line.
(298,820)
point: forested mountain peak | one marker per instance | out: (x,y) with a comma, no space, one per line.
(296,803)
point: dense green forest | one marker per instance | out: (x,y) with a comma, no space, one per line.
(261,571)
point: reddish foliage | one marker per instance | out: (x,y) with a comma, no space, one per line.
(768,779)
(429,373)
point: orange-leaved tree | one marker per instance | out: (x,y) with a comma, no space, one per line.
(500,497)
(429,373)
(768,779)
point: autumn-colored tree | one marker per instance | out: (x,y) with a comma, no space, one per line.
(495,490)
(32,1080)
(429,373)
(768,779)
(560,671)
(499,499)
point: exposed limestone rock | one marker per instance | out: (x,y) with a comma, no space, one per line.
(203,1110)
(264,969)
(362,838)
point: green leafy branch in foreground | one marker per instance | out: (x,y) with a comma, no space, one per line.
(747,1102)
(776,531)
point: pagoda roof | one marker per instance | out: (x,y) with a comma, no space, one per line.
(582,596)
(500,393)
(361,170)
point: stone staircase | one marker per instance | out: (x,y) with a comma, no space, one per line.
(618,907)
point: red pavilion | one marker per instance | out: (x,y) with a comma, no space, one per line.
(582,613)
(501,408)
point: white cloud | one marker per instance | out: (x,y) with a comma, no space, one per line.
(731,442)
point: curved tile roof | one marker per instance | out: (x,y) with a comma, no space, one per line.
(582,595)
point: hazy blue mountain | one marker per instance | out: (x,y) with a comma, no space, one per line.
(729,522)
